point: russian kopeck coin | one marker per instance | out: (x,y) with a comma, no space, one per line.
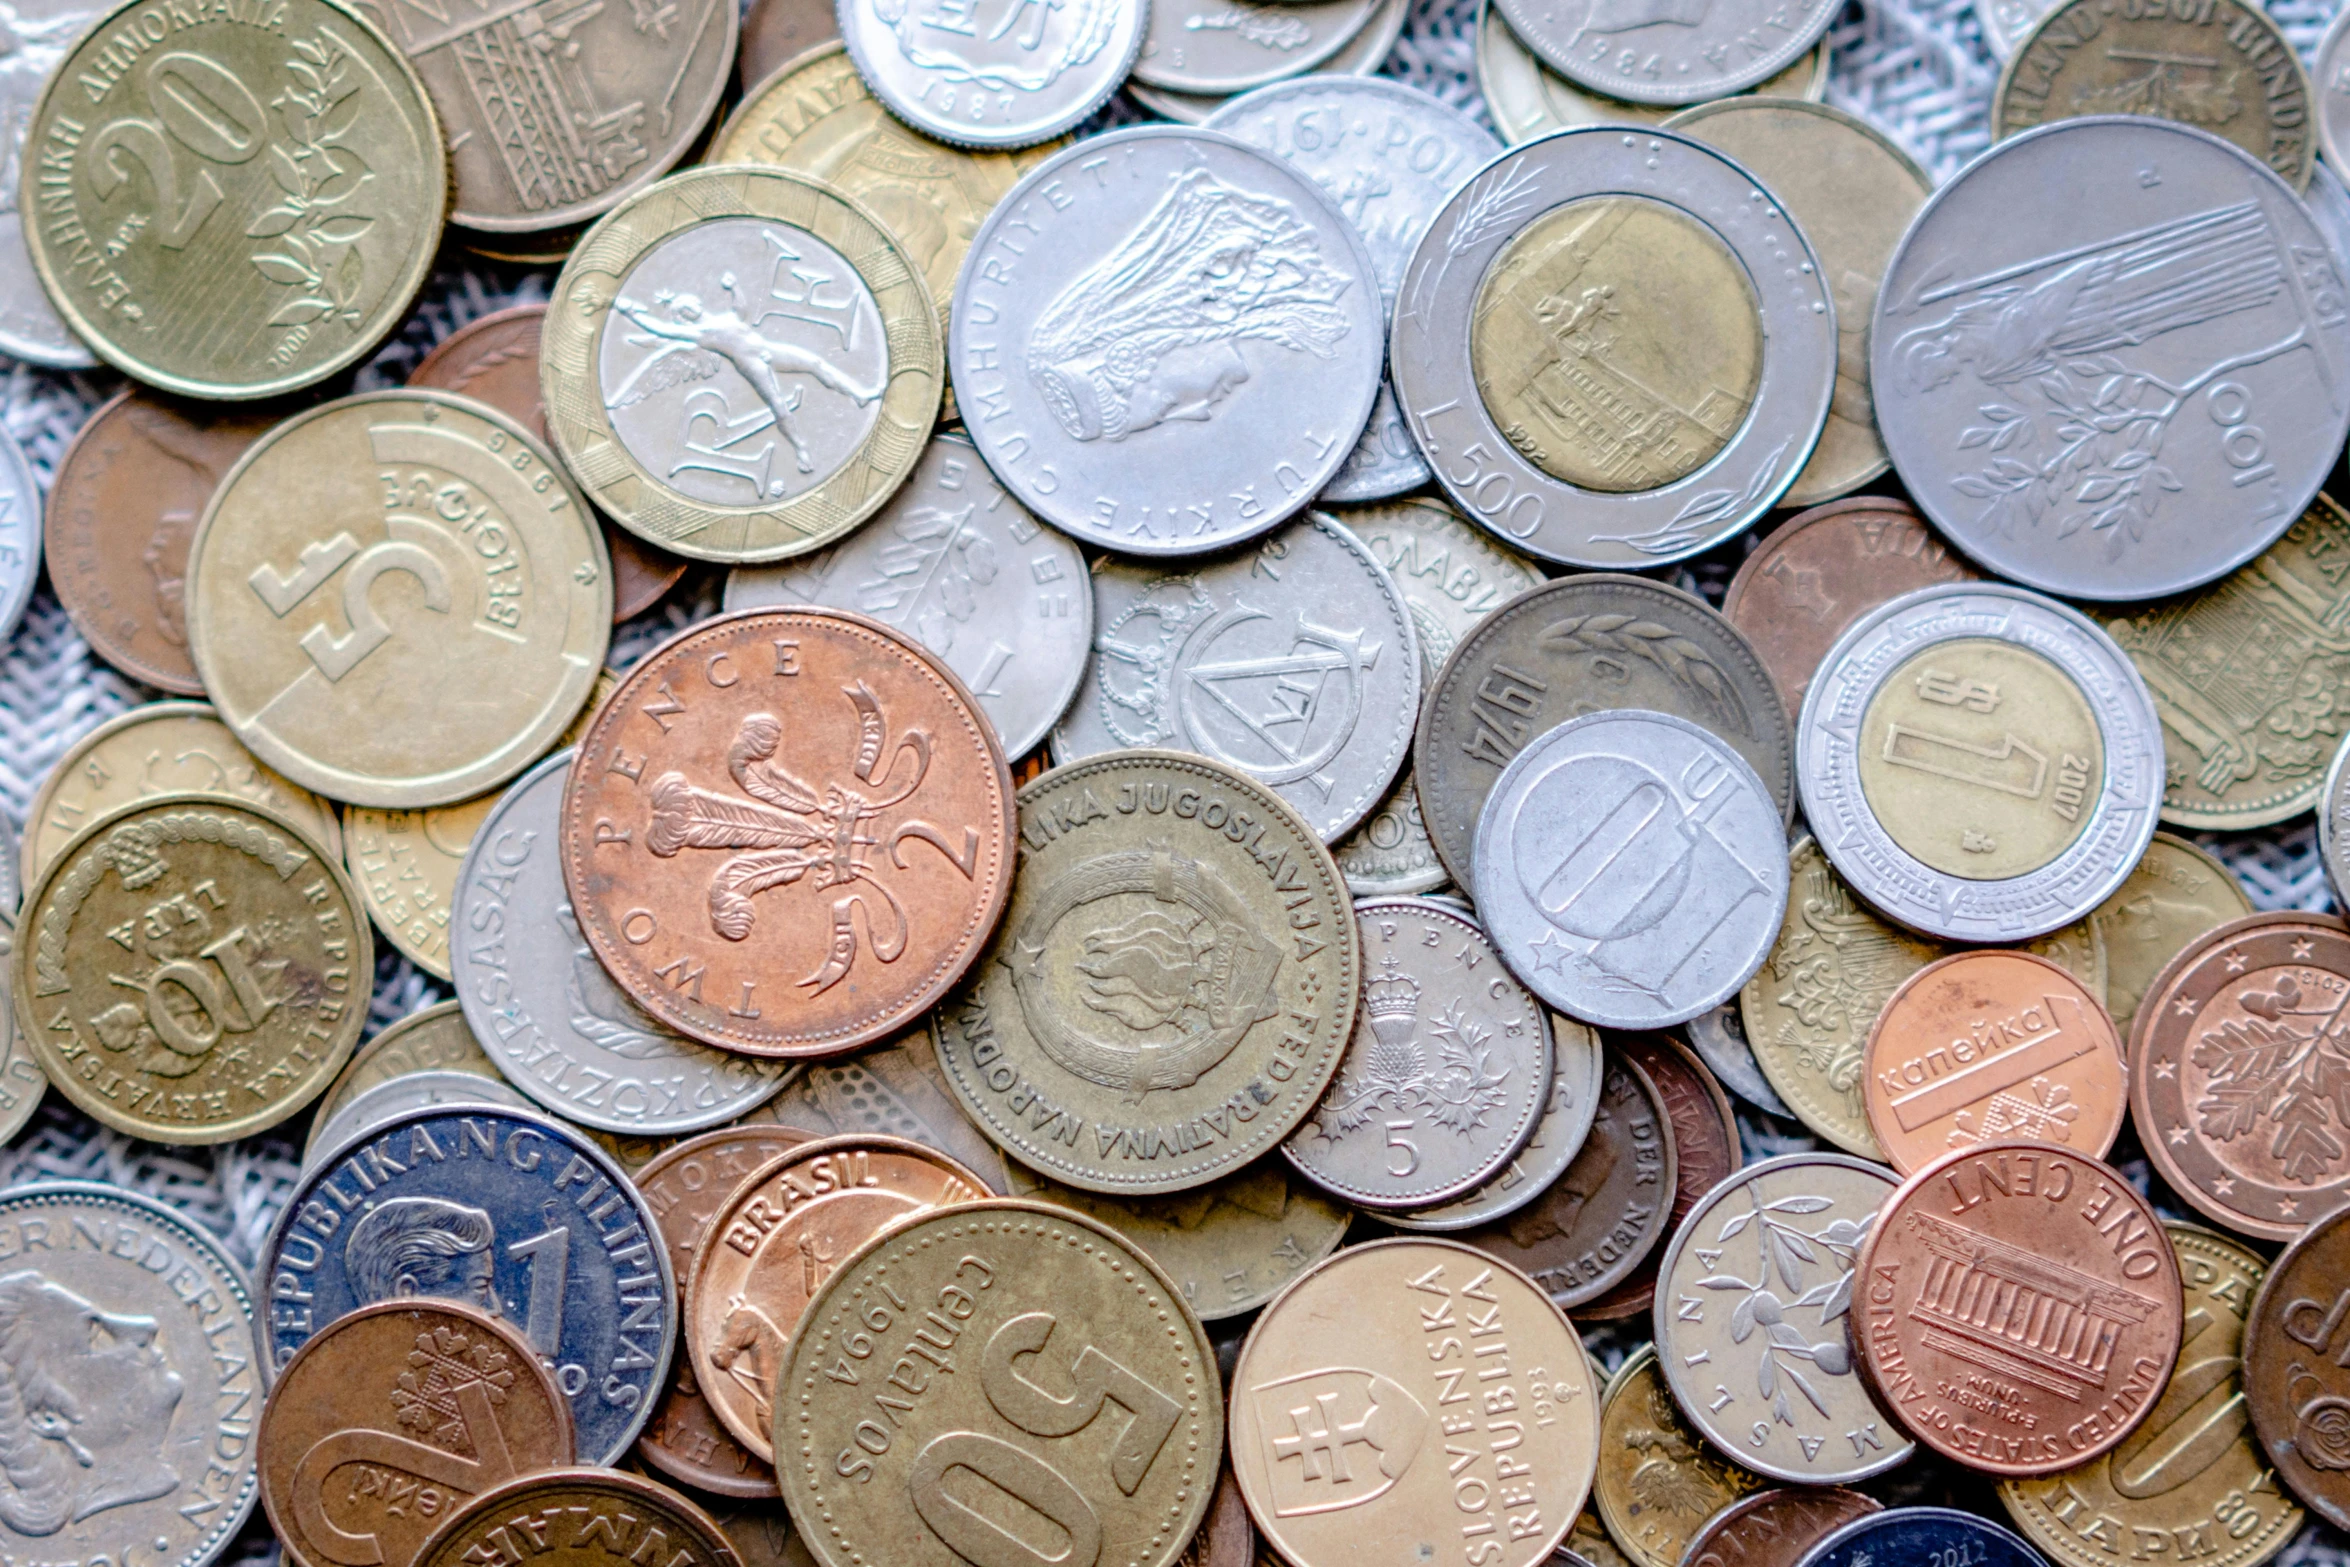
(1657,1482)
(998,75)
(1919,1534)
(432,1040)
(1108,397)
(2296,1386)
(1576,1065)
(1208,47)
(580,1518)
(1979,762)
(1665,54)
(2176,894)
(30,328)
(1528,99)
(2124,394)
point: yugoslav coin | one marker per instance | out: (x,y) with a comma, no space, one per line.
(998,76)
(1363,54)
(1579,346)
(433,1040)
(1293,660)
(1706,1152)
(1212,47)
(30,328)
(423,693)
(410,1091)
(1980,763)
(1630,869)
(544,1007)
(405,864)
(1567,1114)
(139,473)
(742,364)
(1719,1038)
(226,270)
(2332,97)
(1753,1301)
(894,1089)
(1776,1528)
(2176,894)
(2224,67)
(580,1518)
(395,1416)
(1102,397)
(2020,1308)
(2194,1471)
(22,1082)
(1176,930)
(2295,1384)
(507,1210)
(2128,444)
(1645,55)
(832,888)
(1003,1294)
(1657,1483)
(1920,1534)
(1528,99)
(1571,647)
(131,1329)
(958,566)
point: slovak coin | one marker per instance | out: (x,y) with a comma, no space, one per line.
(1658,1482)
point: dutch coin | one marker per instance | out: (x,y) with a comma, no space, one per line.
(22,1081)
(398,1414)
(325,238)
(2019,1308)
(41,31)
(1528,99)
(2194,1471)
(896,1090)
(996,76)
(405,864)
(678,322)
(1364,53)
(139,473)
(1980,763)
(1567,1114)
(433,1040)
(1775,1528)
(1215,47)
(1719,1038)
(1706,1152)
(2331,84)
(1176,930)
(2295,1386)
(409,1091)
(1100,399)
(886,875)
(1657,1483)
(2176,894)
(1919,1534)
(2232,383)
(1645,54)
(775,33)
(580,1518)
(507,1210)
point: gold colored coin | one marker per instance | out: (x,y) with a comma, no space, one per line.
(398,599)
(1658,1481)
(21,1080)
(193,969)
(2176,894)
(579,1518)
(233,203)
(1591,1541)
(433,1040)
(1528,99)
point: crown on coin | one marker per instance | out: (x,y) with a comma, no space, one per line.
(1392,1001)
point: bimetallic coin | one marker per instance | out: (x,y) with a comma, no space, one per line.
(410,1091)
(30,328)
(580,1518)
(2176,894)
(999,76)
(2331,98)
(1644,55)
(22,1082)
(2296,1386)
(1528,99)
(1719,1038)
(1775,1528)
(1567,1114)
(405,864)
(433,1040)
(894,1089)
(1230,46)
(1706,1152)
(1657,1483)
(1918,1534)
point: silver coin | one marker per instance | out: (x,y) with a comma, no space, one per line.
(543,1007)
(1704,461)
(2333,823)
(1719,1038)
(396,1097)
(2006,22)
(956,564)
(2019,682)
(1447,1073)
(1363,54)
(22,1082)
(11,870)
(40,32)
(1632,868)
(993,73)
(1390,854)
(1575,1073)
(1390,154)
(2329,72)
(1165,341)
(1293,660)
(20,535)
(1667,51)
(2328,201)
(2123,394)
(1231,46)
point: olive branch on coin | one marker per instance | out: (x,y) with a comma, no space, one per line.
(1702,514)
(1652,642)
(1496,201)
(1783,1247)
(317,174)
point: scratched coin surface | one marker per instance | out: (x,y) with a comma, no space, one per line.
(581,1518)
(1657,1481)
(895,1089)
(432,1040)
(1528,99)
(1567,1113)
(1706,1151)
(1776,1528)
(2178,892)
(2295,1384)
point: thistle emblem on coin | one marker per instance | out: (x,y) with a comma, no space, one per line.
(1459,1090)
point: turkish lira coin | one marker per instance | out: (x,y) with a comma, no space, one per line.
(30,327)
(997,74)
(1569,1108)
(1232,46)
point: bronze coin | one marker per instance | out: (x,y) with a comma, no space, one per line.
(776,33)
(2297,1367)
(1706,1152)
(580,1518)
(761,1533)
(121,513)
(788,902)
(1226,1538)
(2020,1308)
(1775,1528)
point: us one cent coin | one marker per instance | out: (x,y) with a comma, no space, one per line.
(2176,894)
(1567,1113)
(1657,1482)
(794,901)
(581,1518)
(1775,1528)
(395,1417)
(2295,1384)
(2019,1308)
(895,1089)
(1918,1534)
(1000,78)
(1190,46)
(432,1040)
(1706,1152)
(122,511)
(1528,99)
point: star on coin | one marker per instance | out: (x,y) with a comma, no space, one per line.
(2287,1208)
(2178,1136)
(2236,961)
(2165,1069)
(2185,1007)
(2224,1185)
(2302,949)
(1550,952)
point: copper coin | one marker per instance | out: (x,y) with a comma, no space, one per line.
(1775,1528)
(1992,1047)
(495,360)
(1226,1538)
(2021,1308)
(121,513)
(777,32)
(1706,1152)
(2297,1367)
(580,1518)
(2240,1072)
(1823,569)
(685,1185)
(393,1417)
(788,901)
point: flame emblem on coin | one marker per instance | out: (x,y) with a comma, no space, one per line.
(1338,1437)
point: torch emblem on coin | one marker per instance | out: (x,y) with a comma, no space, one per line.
(1337,1437)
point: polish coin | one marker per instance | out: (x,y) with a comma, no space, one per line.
(1706,1152)
(1567,1114)
(1230,46)
(1647,55)
(2180,389)
(1719,1038)
(2177,893)
(1528,99)
(895,1089)
(1776,1528)
(580,1518)
(2331,84)
(1657,1482)
(995,76)
(410,1091)
(1364,53)
(433,1040)
(2296,1386)
(1918,1534)
(30,327)
(22,1082)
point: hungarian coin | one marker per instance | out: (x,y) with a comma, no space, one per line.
(1645,55)
(433,1040)
(30,328)
(2295,1384)
(895,796)
(1579,347)
(1706,1152)
(394,1417)
(2332,96)
(1004,1294)
(896,1090)
(2213,395)
(131,1331)
(1567,1114)
(1571,647)
(2020,1308)
(1176,930)
(580,1518)
(2194,1471)
(1775,1528)
(1918,1534)
(410,1091)
(1294,660)
(1528,99)
(405,864)
(774,34)
(507,1210)
(1104,403)
(1979,762)
(22,1082)
(140,472)
(665,362)
(1719,1038)
(1752,1307)
(1363,54)
(2176,894)
(1230,46)
(1630,869)
(324,239)
(1657,1483)
(2224,67)
(997,76)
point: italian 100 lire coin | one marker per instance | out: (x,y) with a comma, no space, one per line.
(996,74)
(1980,763)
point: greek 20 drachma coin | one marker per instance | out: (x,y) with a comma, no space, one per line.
(1615,349)
(999,76)
(2296,1386)
(1979,762)
(585,1517)
(2183,310)
(1097,394)
(1920,1534)
(1191,46)
(1576,1069)
(30,327)
(1646,55)
(1657,1481)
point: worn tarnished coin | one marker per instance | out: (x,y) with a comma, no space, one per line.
(760,1531)
(1588,1544)
(894,1089)
(30,329)
(1921,1534)
(393,1418)
(1217,47)
(998,75)
(432,1040)
(405,864)
(1657,1482)
(1665,54)
(258,249)
(1706,1152)
(2176,894)
(1226,1539)
(1363,54)
(1172,987)
(1775,1528)
(580,1518)
(1528,99)
(2295,1384)
(1719,1038)
(390,1100)
(22,1082)
(1567,1113)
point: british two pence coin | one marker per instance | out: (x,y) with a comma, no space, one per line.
(1568,1111)
(1657,1481)
(30,327)
(740,364)
(1095,395)
(1776,1528)
(581,1518)
(433,1040)
(2295,1384)
(1010,80)
(1189,47)
(1706,1151)
(1917,1534)
(1648,56)
(2236,394)
(2177,893)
